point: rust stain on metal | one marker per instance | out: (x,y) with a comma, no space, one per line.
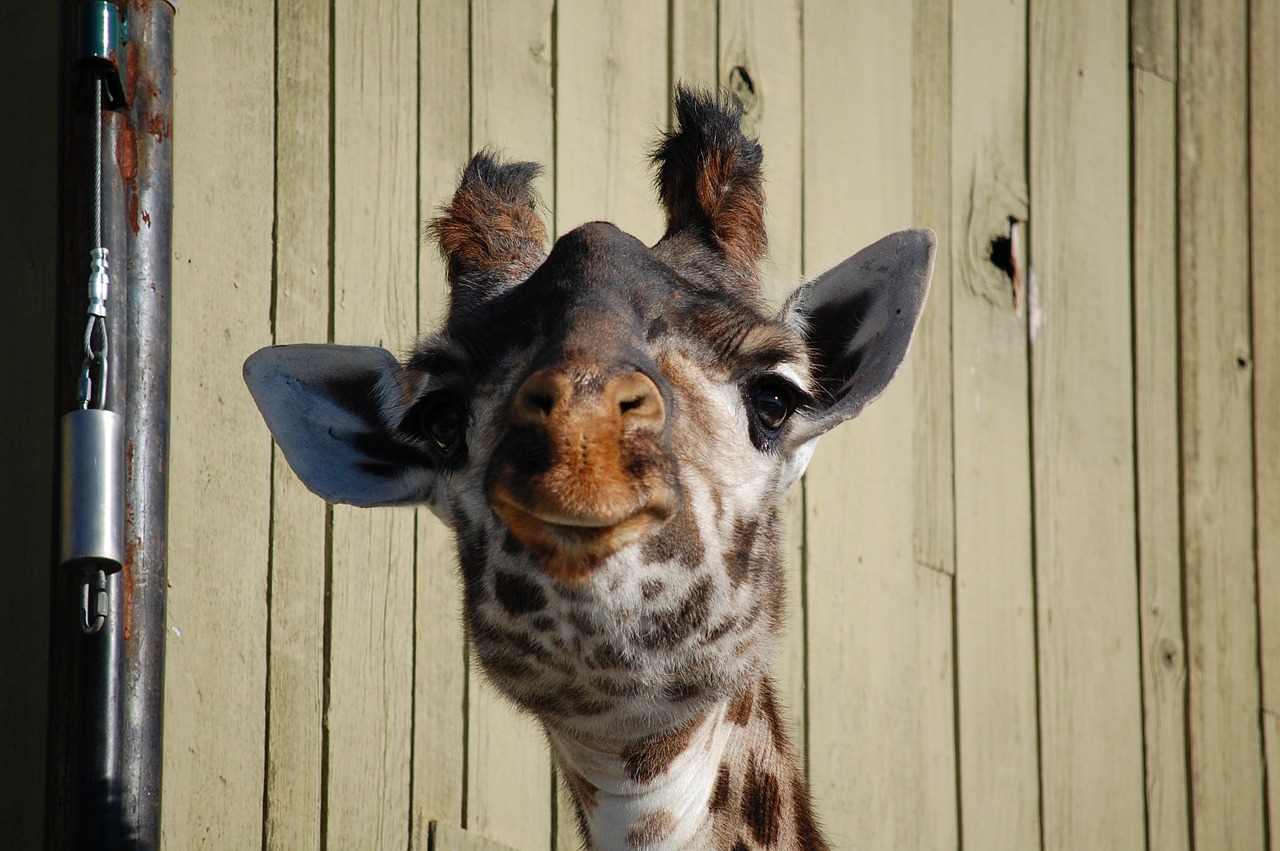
(130,70)
(127,160)
(131,204)
(127,154)
(131,544)
(159,126)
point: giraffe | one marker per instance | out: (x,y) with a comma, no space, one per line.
(608,430)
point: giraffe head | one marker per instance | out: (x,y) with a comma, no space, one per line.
(608,428)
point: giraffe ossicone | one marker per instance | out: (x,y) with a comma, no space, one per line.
(608,429)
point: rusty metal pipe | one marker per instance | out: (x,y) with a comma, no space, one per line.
(150,75)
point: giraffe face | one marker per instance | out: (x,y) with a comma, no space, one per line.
(608,428)
(613,441)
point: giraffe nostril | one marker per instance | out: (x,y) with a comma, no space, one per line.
(637,398)
(539,395)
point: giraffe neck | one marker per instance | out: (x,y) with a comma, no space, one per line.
(726,779)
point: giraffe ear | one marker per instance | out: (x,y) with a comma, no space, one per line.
(858,319)
(710,183)
(329,408)
(490,233)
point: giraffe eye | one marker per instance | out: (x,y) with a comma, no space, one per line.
(442,418)
(773,400)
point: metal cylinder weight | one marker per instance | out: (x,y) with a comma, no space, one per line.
(92,490)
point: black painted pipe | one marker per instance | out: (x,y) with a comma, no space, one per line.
(106,688)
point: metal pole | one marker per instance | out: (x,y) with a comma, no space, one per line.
(150,67)
(106,688)
(83,791)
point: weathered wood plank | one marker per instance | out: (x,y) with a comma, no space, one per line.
(874,653)
(1264,174)
(1082,429)
(934,528)
(694,42)
(1155,327)
(933,492)
(995,604)
(1216,427)
(369,698)
(444,837)
(220,455)
(295,637)
(440,666)
(508,774)
(761,63)
(611,97)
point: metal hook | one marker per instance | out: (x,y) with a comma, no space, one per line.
(93,602)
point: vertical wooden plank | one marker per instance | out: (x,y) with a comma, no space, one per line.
(1082,428)
(934,529)
(695,30)
(761,63)
(368,702)
(1155,327)
(1216,434)
(220,462)
(295,626)
(28,383)
(508,774)
(995,603)
(878,623)
(1264,168)
(933,490)
(611,99)
(440,666)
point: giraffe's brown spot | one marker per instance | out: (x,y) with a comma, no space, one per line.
(651,829)
(518,595)
(679,540)
(762,804)
(618,688)
(580,788)
(720,794)
(740,708)
(769,706)
(738,561)
(670,628)
(649,758)
(605,657)
(652,589)
(807,833)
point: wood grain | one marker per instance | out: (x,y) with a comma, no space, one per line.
(1082,429)
(1216,427)
(369,699)
(1264,176)
(1155,328)
(611,101)
(875,654)
(995,603)
(295,672)
(220,453)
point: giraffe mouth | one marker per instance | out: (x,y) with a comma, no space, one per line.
(570,546)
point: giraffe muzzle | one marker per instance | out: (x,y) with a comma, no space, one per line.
(586,467)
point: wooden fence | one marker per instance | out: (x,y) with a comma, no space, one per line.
(1034,598)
